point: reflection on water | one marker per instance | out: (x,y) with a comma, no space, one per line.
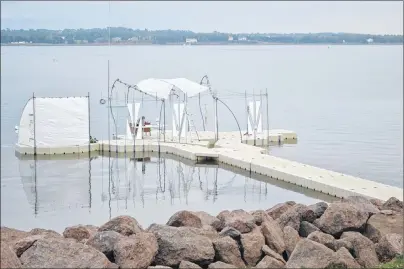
(69,190)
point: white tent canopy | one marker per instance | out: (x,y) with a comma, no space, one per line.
(163,87)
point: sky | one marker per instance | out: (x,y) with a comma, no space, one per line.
(371,17)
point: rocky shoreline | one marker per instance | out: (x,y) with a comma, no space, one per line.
(351,233)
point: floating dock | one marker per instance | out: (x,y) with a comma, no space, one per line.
(229,150)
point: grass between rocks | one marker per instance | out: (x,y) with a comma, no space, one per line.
(395,263)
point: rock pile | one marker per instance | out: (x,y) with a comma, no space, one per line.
(351,233)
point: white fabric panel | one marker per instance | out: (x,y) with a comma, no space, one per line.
(162,87)
(177,119)
(26,128)
(256,117)
(61,121)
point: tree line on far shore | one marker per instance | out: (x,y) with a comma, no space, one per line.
(128,35)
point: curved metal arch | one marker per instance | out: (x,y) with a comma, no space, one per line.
(234,116)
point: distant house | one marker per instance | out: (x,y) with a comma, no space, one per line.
(242,38)
(370,40)
(230,38)
(133,39)
(191,41)
(116,39)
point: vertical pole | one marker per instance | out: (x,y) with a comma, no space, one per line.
(164,127)
(179,119)
(254,114)
(266,93)
(108,108)
(89,126)
(246,109)
(260,118)
(34,119)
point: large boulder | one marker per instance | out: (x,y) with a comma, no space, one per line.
(239,219)
(210,220)
(362,203)
(273,236)
(322,238)
(46,233)
(80,232)
(382,224)
(176,244)
(227,251)
(291,238)
(277,210)
(9,235)
(230,231)
(124,225)
(363,248)
(8,258)
(252,245)
(269,252)
(344,259)
(319,208)
(59,253)
(105,242)
(393,204)
(310,254)
(220,265)
(307,228)
(294,215)
(340,217)
(270,262)
(389,246)
(188,265)
(136,251)
(260,216)
(20,246)
(377,203)
(185,219)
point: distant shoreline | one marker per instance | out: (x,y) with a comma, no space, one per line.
(200,44)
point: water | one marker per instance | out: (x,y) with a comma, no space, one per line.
(344,102)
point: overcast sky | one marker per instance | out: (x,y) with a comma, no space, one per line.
(266,17)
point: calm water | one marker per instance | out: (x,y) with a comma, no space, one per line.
(344,102)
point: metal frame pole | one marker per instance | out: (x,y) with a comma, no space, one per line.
(34,119)
(266,93)
(109,103)
(164,127)
(246,110)
(89,126)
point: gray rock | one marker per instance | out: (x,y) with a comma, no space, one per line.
(291,238)
(210,220)
(20,246)
(273,236)
(307,228)
(377,203)
(79,232)
(269,252)
(260,216)
(364,249)
(319,208)
(105,242)
(310,254)
(252,244)
(322,238)
(59,253)
(9,235)
(188,265)
(8,258)
(239,220)
(393,204)
(340,217)
(277,210)
(294,215)
(230,231)
(227,251)
(176,244)
(185,219)
(136,251)
(124,225)
(362,203)
(270,262)
(220,265)
(344,259)
(389,246)
(382,224)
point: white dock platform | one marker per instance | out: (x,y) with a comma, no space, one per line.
(253,159)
